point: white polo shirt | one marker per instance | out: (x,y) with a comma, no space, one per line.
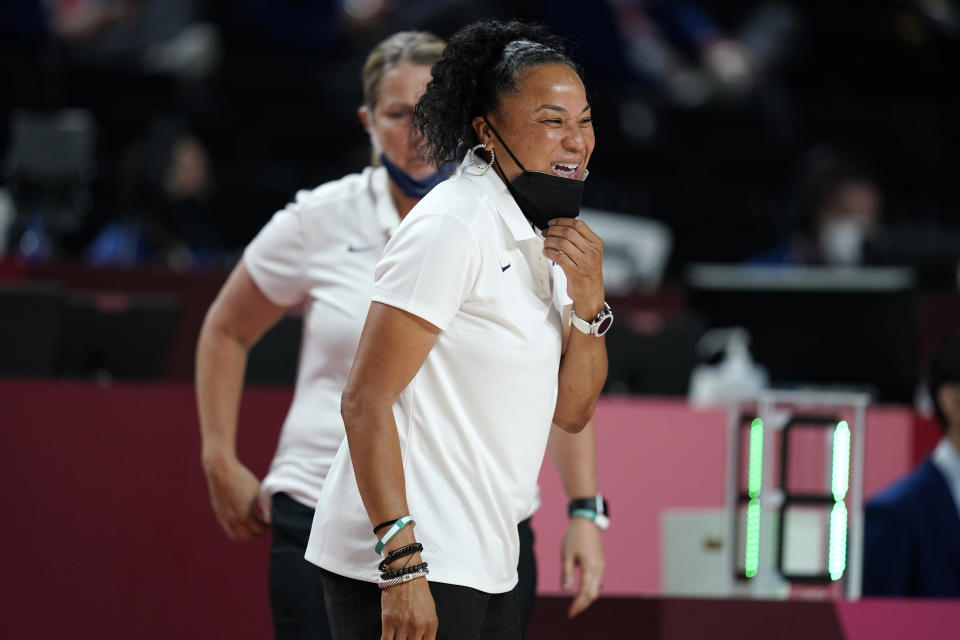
(321,250)
(474,421)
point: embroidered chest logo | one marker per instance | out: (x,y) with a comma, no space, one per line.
(360,249)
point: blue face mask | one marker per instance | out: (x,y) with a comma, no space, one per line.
(410,186)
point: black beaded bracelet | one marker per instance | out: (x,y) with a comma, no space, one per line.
(402,552)
(402,571)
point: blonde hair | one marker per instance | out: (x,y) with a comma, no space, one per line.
(416,47)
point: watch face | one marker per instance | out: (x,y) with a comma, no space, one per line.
(605,325)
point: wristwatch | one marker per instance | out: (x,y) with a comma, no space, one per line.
(594,508)
(600,324)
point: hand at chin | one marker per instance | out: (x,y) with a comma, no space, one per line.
(571,244)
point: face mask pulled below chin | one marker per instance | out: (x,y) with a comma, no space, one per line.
(543,196)
(410,186)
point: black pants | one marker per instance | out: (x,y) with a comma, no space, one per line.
(463,613)
(527,574)
(296,589)
(296,594)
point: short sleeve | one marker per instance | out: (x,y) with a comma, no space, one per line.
(428,268)
(276,258)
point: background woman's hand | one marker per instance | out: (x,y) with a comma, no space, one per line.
(583,549)
(579,251)
(236,501)
(408,612)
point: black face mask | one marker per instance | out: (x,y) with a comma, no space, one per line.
(543,196)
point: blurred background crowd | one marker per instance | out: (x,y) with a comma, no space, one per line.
(756,134)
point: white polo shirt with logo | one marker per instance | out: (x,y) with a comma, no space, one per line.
(321,250)
(474,421)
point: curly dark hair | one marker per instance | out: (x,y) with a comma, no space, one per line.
(481,64)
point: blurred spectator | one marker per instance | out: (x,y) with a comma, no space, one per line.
(48,166)
(912,529)
(166,206)
(836,206)
(666,40)
(160,36)
(877,78)
(675,47)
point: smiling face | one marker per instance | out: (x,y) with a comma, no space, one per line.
(546,124)
(388,123)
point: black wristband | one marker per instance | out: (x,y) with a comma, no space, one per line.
(597,504)
(390,574)
(382,525)
(402,552)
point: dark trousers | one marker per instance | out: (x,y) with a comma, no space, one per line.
(296,593)
(296,588)
(527,574)
(353,607)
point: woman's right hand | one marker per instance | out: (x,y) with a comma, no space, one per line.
(236,500)
(236,320)
(408,612)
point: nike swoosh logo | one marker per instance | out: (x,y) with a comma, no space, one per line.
(353,249)
(504,268)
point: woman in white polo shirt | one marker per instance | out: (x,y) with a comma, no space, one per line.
(320,252)
(466,356)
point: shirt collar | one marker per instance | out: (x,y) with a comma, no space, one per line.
(520,228)
(386,211)
(947,459)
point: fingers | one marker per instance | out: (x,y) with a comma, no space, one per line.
(591,575)
(263,508)
(256,528)
(571,244)
(243,525)
(257,523)
(243,528)
(580,236)
(562,246)
(408,612)
(560,258)
(566,574)
(577,225)
(583,547)
(395,630)
(242,511)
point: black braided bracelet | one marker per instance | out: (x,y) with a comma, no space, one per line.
(402,552)
(402,571)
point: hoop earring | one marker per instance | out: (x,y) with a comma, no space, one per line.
(483,166)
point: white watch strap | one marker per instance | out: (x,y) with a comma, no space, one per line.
(588,328)
(581,325)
